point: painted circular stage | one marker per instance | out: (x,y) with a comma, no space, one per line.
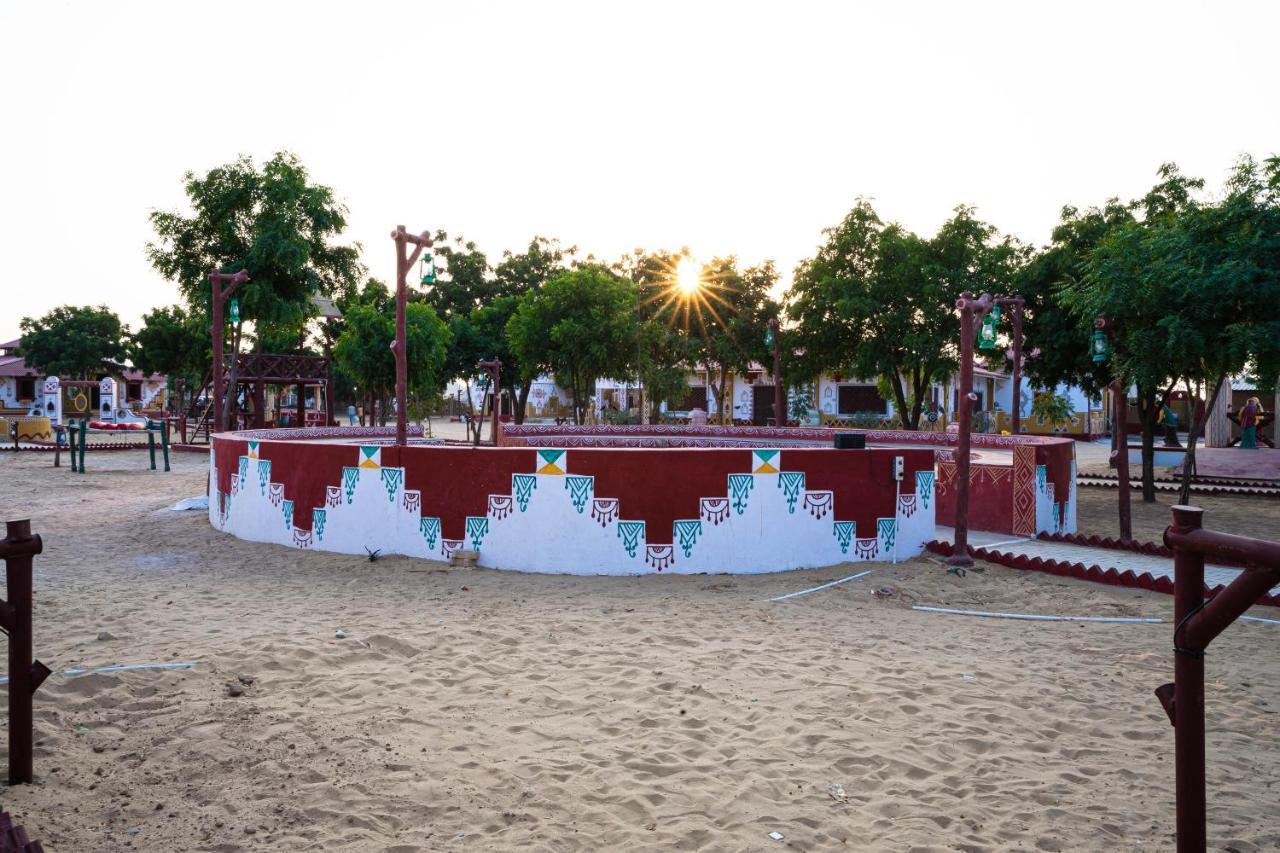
(629,500)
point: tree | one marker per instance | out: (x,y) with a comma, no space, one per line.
(363,351)
(877,300)
(1053,408)
(75,342)
(515,275)
(463,277)
(1194,291)
(174,342)
(478,300)
(1057,336)
(662,353)
(469,343)
(580,326)
(273,222)
(726,324)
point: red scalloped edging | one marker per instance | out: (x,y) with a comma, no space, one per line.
(1197,489)
(1202,481)
(1153,549)
(49,448)
(1094,572)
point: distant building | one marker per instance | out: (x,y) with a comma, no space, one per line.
(22,388)
(833,400)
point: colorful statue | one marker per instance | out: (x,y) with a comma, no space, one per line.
(1249,414)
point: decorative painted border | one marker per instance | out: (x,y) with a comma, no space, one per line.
(315,433)
(793,433)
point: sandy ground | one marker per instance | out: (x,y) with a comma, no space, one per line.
(483,710)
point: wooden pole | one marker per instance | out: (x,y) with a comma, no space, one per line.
(1018,303)
(220,294)
(404,262)
(971,314)
(494,368)
(25,675)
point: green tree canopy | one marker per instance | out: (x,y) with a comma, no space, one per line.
(272,221)
(74,342)
(1058,337)
(663,351)
(363,350)
(877,300)
(1193,288)
(727,322)
(580,326)
(478,300)
(174,342)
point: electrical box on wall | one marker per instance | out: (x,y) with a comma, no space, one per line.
(897,468)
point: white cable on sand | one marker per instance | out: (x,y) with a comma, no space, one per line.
(1260,619)
(120,668)
(824,586)
(1035,618)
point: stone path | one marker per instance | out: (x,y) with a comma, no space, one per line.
(1107,558)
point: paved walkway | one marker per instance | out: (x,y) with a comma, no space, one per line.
(1107,558)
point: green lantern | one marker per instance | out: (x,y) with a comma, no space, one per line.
(768,338)
(987,334)
(1101,347)
(235,310)
(429,270)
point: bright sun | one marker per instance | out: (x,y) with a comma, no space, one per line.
(688,276)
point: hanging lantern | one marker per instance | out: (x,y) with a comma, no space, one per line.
(235,310)
(428,270)
(1101,346)
(768,338)
(987,334)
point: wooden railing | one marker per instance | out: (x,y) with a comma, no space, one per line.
(1198,622)
(25,675)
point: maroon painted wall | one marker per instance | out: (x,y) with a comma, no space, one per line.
(657,486)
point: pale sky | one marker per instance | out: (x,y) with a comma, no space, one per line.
(733,128)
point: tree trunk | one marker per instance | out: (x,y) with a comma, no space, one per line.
(920,384)
(716,391)
(1149,410)
(1217,431)
(522,400)
(473,433)
(1193,435)
(577,397)
(900,399)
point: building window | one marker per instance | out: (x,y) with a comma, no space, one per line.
(26,389)
(133,391)
(855,399)
(695,399)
